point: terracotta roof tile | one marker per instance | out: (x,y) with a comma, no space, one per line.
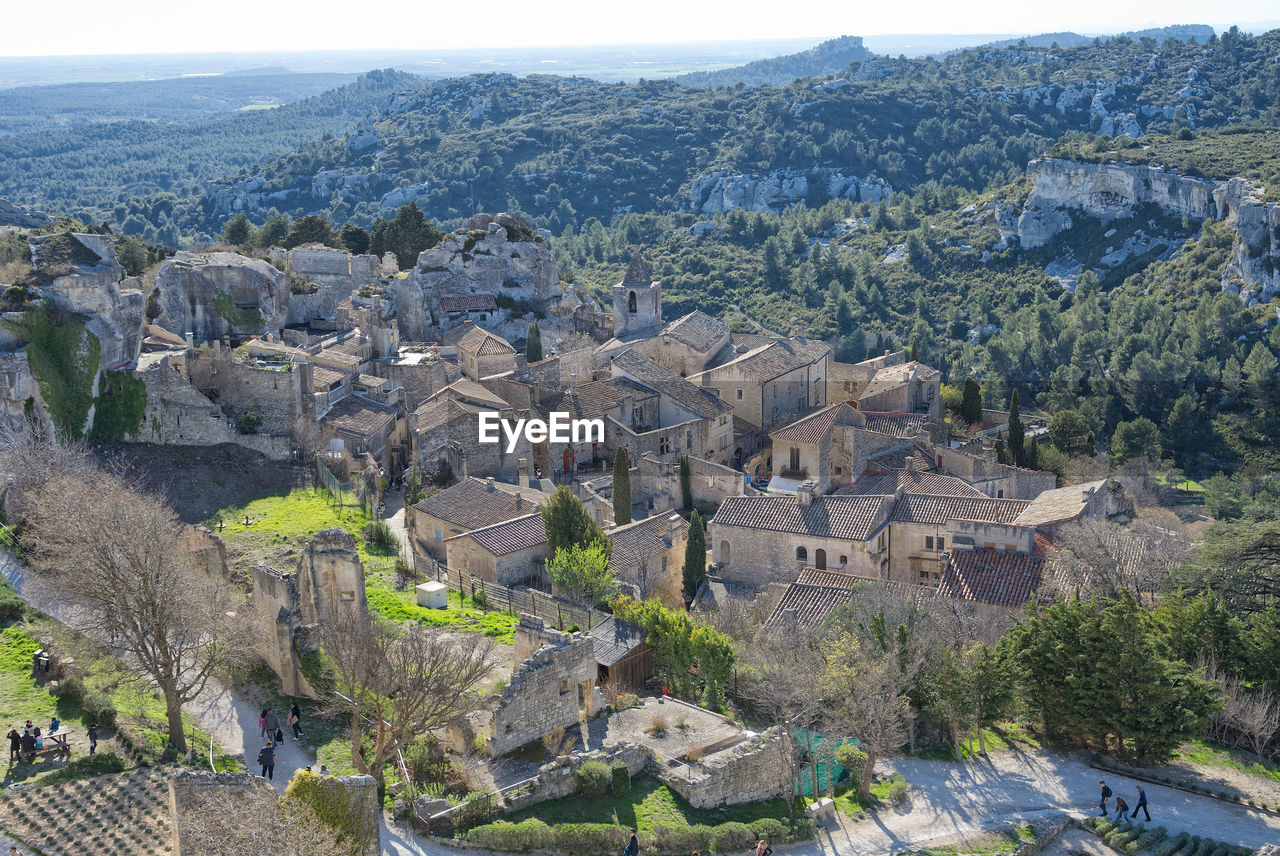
(358,415)
(697,330)
(896,424)
(919,508)
(468,303)
(911,481)
(896,459)
(895,376)
(478,341)
(511,536)
(692,398)
(644,539)
(849,518)
(810,604)
(991,576)
(475,503)
(831,579)
(812,428)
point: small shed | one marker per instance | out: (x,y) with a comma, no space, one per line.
(622,653)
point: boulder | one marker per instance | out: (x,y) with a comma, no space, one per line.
(216,294)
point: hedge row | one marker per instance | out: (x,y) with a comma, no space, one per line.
(591,839)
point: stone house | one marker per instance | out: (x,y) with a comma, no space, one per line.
(281,392)
(770,382)
(687,346)
(467,308)
(657,482)
(923,527)
(470,504)
(623,654)
(690,420)
(846,381)
(1097,499)
(911,387)
(648,556)
(758,540)
(637,300)
(976,463)
(367,426)
(445,427)
(481,353)
(513,552)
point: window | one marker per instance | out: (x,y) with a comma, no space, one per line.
(739,395)
(928,542)
(438,538)
(794,456)
(942,545)
(820,559)
(664,445)
(565,687)
(688,439)
(664,564)
(631,303)
(844,560)
(839,470)
(802,555)
(848,386)
(1000,493)
(724,552)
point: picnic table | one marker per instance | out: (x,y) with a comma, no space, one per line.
(55,745)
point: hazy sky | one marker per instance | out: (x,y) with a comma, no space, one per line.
(166,26)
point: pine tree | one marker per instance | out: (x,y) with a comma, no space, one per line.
(686,483)
(1017,434)
(567,521)
(621,488)
(533,344)
(971,403)
(695,557)
(237,230)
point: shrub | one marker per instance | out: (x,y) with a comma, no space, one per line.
(657,725)
(733,836)
(620,779)
(512,837)
(335,806)
(99,707)
(1170,845)
(679,842)
(378,533)
(250,422)
(802,829)
(594,779)
(588,839)
(851,757)
(11,604)
(101,764)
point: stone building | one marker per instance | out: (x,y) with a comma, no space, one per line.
(996,582)
(909,388)
(657,482)
(924,527)
(510,553)
(481,353)
(470,504)
(687,346)
(337,275)
(445,427)
(280,391)
(648,557)
(637,300)
(770,382)
(690,421)
(846,381)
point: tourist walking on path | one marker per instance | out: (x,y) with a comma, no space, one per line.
(1122,808)
(262,724)
(271,724)
(633,845)
(763,849)
(1142,804)
(267,758)
(93,738)
(1106,795)
(295,719)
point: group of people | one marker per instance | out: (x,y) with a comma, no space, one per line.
(1122,807)
(24,745)
(269,726)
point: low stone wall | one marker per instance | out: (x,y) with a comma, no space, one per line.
(751,771)
(559,778)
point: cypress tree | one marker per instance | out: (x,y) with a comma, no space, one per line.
(971,402)
(621,488)
(1017,434)
(914,352)
(686,483)
(533,344)
(1033,455)
(695,557)
(1002,455)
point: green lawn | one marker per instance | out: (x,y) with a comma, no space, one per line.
(1000,736)
(280,526)
(1200,752)
(648,805)
(848,803)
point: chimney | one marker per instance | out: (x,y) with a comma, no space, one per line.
(910,462)
(468,323)
(519,501)
(488,484)
(673,525)
(191,341)
(522,472)
(804,493)
(887,352)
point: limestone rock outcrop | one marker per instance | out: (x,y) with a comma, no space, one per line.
(215,294)
(22,216)
(18,386)
(721,191)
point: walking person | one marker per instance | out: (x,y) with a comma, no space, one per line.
(763,849)
(1122,808)
(267,758)
(15,745)
(93,738)
(633,845)
(262,724)
(295,719)
(1142,804)
(1106,795)
(271,724)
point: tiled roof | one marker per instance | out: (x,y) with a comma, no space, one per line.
(478,341)
(896,424)
(895,376)
(614,639)
(503,539)
(697,330)
(896,459)
(593,400)
(467,390)
(991,576)
(911,481)
(323,379)
(812,428)
(811,349)
(695,399)
(831,579)
(810,604)
(849,518)
(437,412)
(771,361)
(358,415)
(919,508)
(475,503)
(643,539)
(1060,504)
(468,303)
(637,272)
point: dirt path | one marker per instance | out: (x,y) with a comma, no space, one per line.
(233,722)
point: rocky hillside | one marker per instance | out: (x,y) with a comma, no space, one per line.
(830,57)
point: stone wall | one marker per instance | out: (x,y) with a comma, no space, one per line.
(551,688)
(281,395)
(18,385)
(751,771)
(420,380)
(559,778)
(708,481)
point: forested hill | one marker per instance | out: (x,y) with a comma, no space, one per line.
(562,150)
(830,57)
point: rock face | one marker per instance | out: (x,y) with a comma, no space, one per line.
(336,273)
(18,386)
(22,216)
(83,278)
(1066,189)
(215,294)
(722,191)
(479,258)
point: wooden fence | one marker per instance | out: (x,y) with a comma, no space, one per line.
(555,611)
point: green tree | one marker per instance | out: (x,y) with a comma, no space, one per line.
(621,488)
(971,402)
(1033,455)
(131,255)
(1136,439)
(1070,433)
(686,482)
(533,344)
(1017,433)
(1002,451)
(695,557)
(581,572)
(273,232)
(354,239)
(237,230)
(567,521)
(311,229)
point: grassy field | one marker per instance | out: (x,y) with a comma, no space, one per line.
(1199,752)
(648,805)
(1003,735)
(882,793)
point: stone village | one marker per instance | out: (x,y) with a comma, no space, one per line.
(823,476)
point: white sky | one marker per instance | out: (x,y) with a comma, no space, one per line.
(175,26)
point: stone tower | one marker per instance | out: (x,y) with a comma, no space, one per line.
(637,300)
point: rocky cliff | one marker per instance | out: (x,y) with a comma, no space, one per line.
(21,216)
(492,254)
(722,190)
(216,294)
(1063,190)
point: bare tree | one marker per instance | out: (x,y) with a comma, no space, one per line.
(1098,557)
(253,822)
(397,686)
(118,556)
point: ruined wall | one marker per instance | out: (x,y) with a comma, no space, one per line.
(420,380)
(751,771)
(559,778)
(552,688)
(708,481)
(281,395)
(275,603)
(330,576)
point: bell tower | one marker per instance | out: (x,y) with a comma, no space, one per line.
(637,300)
